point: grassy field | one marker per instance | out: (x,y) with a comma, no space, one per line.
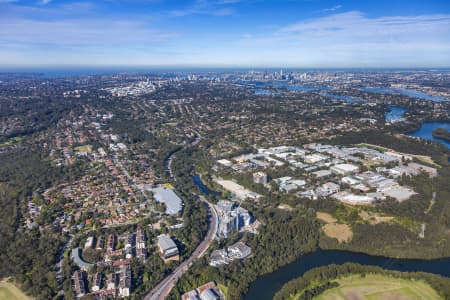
(8,291)
(423,158)
(85,148)
(12,141)
(333,229)
(326,217)
(379,287)
(223,289)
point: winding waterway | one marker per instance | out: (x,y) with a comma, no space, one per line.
(345,98)
(395,114)
(277,87)
(405,92)
(266,286)
(426,132)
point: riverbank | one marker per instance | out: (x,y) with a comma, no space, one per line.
(307,261)
(355,281)
(426,132)
(441,133)
(266,286)
(379,287)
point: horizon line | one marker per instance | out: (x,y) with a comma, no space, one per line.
(199,66)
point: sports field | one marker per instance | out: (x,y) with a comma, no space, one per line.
(8,291)
(379,287)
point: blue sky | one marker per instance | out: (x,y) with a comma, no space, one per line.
(225,33)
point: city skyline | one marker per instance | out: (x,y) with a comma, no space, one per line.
(225,33)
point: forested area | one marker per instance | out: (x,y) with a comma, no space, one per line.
(317,280)
(156,131)
(430,206)
(441,133)
(399,143)
(26,117)
(285,236)
(28,255)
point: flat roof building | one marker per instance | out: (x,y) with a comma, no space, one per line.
(163,194)
(89,242)
(239,250)
(260,177)
(97,282)
(168,248)
(79,285)
(140,239)
(125,281)
(75,255)
(344,169)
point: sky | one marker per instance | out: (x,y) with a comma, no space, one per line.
(226,33)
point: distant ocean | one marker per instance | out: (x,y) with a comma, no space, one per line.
(74,72)
(55,72)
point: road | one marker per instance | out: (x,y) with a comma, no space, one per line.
(59,264)
(124,171)
(164,287)
(162,290)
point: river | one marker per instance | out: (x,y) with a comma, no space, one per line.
(404,92)
(266,286)
(395,114)
(426,131)
(277,87)
(198,182)
(345,98)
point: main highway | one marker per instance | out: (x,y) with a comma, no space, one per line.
(162,290)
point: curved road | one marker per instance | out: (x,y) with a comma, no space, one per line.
(162,290)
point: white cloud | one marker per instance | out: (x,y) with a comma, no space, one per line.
(354,38)
(334,8)
(220,2)
(204,7)
(80,32)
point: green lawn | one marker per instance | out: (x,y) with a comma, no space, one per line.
(223,289)
(85,148)
(12,141)
(379,287)
(8,291)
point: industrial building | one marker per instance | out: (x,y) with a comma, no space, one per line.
(168,248)
(208,291)
(238,250)
(163,194)
(344,169)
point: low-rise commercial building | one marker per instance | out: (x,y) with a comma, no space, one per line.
(260,178)
(238,250)
(163,194)
(168,248)
(344,169)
